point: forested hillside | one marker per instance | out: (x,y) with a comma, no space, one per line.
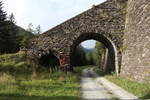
(12,37)
(24,36)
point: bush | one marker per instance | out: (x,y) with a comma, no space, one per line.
(15,58)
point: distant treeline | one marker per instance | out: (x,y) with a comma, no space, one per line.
(84,56)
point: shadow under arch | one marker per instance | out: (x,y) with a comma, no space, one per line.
(49,59)
(112,58)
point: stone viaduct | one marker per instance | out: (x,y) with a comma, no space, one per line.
(118,24)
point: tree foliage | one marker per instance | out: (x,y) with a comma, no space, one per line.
(24,37)
(99,53)
(31,28)
(11,35)
(79,58)
(38,30)
(90,58)
(6,35)
(13,30)
(83,57)
(3,28)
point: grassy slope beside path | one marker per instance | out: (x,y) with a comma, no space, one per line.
(17,83)
(56,86)
(142,90)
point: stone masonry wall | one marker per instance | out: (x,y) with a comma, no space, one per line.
(136,47)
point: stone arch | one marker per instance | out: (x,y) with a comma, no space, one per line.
(112,58)
(106,19)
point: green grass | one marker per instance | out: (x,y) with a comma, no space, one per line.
(56,86)
(142,90)
(17,82)
(13,58)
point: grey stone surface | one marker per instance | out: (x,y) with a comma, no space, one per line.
(136,53)
(91,89)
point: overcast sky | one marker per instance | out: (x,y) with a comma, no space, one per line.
(47,13)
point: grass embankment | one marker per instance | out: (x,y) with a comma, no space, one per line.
(17,83)
(142,90)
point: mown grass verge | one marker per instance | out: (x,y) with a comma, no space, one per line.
(17,83)
(142,90)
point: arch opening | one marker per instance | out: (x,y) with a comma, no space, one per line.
(49,61)
(111,62)
(83,55)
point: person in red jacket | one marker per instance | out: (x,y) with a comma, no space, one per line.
(63,62)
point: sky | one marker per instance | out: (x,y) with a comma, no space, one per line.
(48,13)
(88,44)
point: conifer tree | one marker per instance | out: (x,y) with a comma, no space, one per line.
(14,33)
(8,32)
(4,31)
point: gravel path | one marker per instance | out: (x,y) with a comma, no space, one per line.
(91,89)
(94,87)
